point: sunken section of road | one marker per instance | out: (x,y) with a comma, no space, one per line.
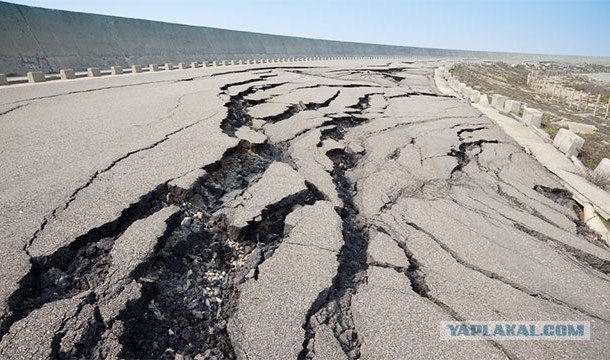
(311,213)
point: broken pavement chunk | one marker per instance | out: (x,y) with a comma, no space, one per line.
(272,310)
(278,182)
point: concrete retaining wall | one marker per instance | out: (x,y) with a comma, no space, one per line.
(49,40)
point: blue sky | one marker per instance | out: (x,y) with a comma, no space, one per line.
(566,27)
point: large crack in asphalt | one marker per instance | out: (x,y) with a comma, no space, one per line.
(417,278)
(467,151)
(565,198)
(80,266)
(332,307)
(108,168)
(237,104)
(194,278)
(494,276)
(83,265)
(297,108)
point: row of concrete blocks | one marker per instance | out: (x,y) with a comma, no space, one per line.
(66,74)
(565,141)
(530,116)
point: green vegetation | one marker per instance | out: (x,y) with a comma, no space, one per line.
(548,126)
(595,149)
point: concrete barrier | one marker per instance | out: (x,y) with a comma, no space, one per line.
(116,70)
(475,96)
(135,69)
(169,66)
(214,63)
(568,142)
(153,67)
(532,117)
(594,221)
(182,66)
(512,106)
(36,76)
(497,101)
(461,87)
(93,72)
(51,40)
(603,169)
(194,65)
(67,74)
(484,100)
(3,80)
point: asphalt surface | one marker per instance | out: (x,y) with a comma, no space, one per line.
(327,210)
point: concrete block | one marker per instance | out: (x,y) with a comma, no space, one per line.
(475,96)
(461,87)
(153,67)
(3,80)
(194,65)
(36,76)
(93,72)
(603,169)
(497,101)
(532,117)
(568,142)
(205,64)
(484,100)
(116,70)
(223,63)
(512,106)
(67,74)
(182,66)
(214,63)
(594,221)
(169,66)
(136,69)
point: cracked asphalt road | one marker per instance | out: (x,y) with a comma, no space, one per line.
(338,211)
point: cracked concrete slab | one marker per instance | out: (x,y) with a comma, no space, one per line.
(294,125)
(272,309)
(314,165)
(280,177)
(38,335)
(394,320)
(336,211)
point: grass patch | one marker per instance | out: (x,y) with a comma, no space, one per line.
(548,126)
(594,149)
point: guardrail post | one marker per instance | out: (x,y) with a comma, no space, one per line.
(67,74)
(93,72)
(36,76)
